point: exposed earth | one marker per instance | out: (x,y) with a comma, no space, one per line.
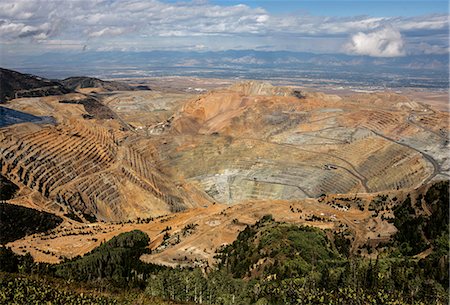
(199,162)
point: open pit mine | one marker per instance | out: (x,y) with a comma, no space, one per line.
(112,157)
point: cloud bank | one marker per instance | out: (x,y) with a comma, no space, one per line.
(153,24)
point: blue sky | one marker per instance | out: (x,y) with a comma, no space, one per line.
(372,28)
(380,8)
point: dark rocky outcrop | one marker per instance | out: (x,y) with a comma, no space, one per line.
(94,108)
(14,84)
(80,82)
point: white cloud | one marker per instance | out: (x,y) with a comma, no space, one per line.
(386,42)
(431,22)
(108,31)
(10,28)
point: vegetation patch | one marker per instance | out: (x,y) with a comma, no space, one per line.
(7,188)
(116,261)
(418,231)
(24,290)
(281,249)
(18,221)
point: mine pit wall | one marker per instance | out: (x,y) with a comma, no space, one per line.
(51,158)
(175,203)
(146,175)
(366,163)
(79,168)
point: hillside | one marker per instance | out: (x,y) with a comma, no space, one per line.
(268,246)
(269,262)
(15,85)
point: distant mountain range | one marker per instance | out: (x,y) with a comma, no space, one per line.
(243,64)
(239,58)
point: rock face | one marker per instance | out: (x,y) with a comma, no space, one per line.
(260,88)
(15,85)
(82,168)
(81,82)
(262,142)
